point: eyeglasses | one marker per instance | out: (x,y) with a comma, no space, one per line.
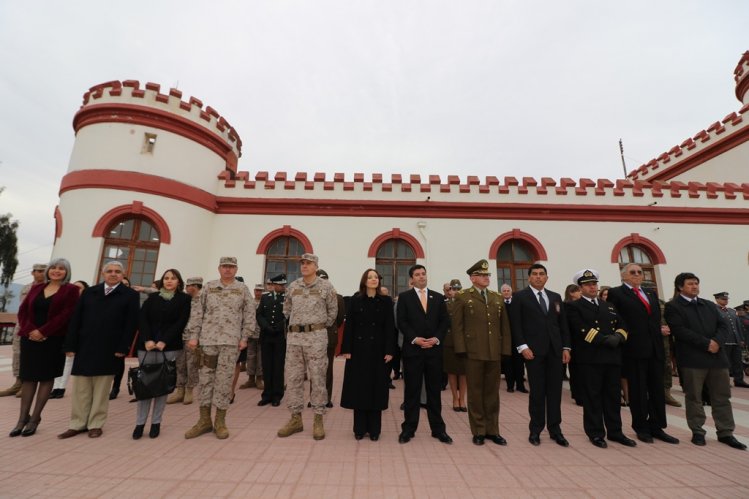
(635,272)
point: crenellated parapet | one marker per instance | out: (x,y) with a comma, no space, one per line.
(741,76)
(435,185)
(128,101)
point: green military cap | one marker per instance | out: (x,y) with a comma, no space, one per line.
(479,268)
(228,260)
(722,294)
(585,276)
(455,284)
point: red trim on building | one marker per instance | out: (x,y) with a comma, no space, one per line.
(538,248)
(653,250)
(156,118)
(138,182)
(396,233)
(58,222)
(137,209)
(285,231)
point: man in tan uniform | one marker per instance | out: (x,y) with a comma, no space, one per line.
(311,307)
(187,362)
(220,324)
(481,331)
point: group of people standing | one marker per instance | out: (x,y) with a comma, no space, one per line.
(205,329)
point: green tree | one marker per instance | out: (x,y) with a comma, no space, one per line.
(8,253)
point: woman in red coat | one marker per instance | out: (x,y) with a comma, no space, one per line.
(43,319)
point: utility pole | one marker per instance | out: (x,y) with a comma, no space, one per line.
(621,153)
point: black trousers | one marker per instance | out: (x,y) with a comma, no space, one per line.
(273,356)
(119,373)
(599,386)
(418,370)
(647,399)
(514,369)
(367,422)
(545,400)
(329,373)
(736,369)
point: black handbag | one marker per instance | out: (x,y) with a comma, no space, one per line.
(150,380)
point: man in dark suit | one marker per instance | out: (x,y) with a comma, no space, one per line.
(100,333)
(272,324)
(423,321)
(513,366)
(597,335)
(482,334)
(643,354)
(540,331)
(701,334)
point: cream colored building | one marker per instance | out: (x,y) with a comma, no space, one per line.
(154,181)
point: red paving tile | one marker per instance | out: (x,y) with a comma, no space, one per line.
(254,462)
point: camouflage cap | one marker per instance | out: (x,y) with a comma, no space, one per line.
(192,281)
(40,267)
(309,257)
(455,284)
(322,274)
(479,268)
(259,287)
(228,260)
(585,276)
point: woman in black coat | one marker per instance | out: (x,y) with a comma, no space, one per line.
(368,345)
(163,318)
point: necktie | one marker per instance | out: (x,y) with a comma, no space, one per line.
(643,299)
(507,302)
(423,298)
(483,295)
(107,290)
(542,302)
(595,302)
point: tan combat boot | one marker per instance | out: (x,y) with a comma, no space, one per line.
(176,396)
(188,396)
(203,425)
(250,383)
(13,390)
(259,383)
(670,400)
(293,426)
(219,426)
(318,430)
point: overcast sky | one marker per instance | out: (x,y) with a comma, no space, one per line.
(476,87)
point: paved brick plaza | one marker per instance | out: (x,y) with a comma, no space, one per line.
(253,462)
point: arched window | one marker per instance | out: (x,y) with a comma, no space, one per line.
(633,253)
(282,257)
(393,259)
(134,242)
(514,258)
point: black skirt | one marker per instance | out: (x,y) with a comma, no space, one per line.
(42,360)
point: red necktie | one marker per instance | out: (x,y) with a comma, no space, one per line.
(642,298)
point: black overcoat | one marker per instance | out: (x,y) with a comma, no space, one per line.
(100,327)
(369,335)
(164,320)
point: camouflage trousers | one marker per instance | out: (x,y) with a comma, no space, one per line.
(16,354)
(216,373)
(187,368)
(254,361)
(306,353)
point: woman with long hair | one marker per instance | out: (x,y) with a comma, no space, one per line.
(163,317)
(43,319)
(368,345)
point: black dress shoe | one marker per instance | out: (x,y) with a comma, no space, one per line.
(403,406)
(741,384)
(30,428)
(113,394)
(263,402)
(275,403)
(665,437)
(497,439)
(729,441)
(57,393)
(698,440)
(329,404)
(598,442)
(624,440)
(391,386)
(456,409)
(138,431)
(443,437)
(560,440)
(478,440)
(644,437)
(155,430)
(464,409)
(522,389)
(358,436)
(510,389)
(374,438)
(534,438)
(405,437)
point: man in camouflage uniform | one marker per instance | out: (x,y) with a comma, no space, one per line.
(311,307)
(37,272)
(187,361)
(254,364)
(220,325)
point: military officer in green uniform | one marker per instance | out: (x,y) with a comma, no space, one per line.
(481,332)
